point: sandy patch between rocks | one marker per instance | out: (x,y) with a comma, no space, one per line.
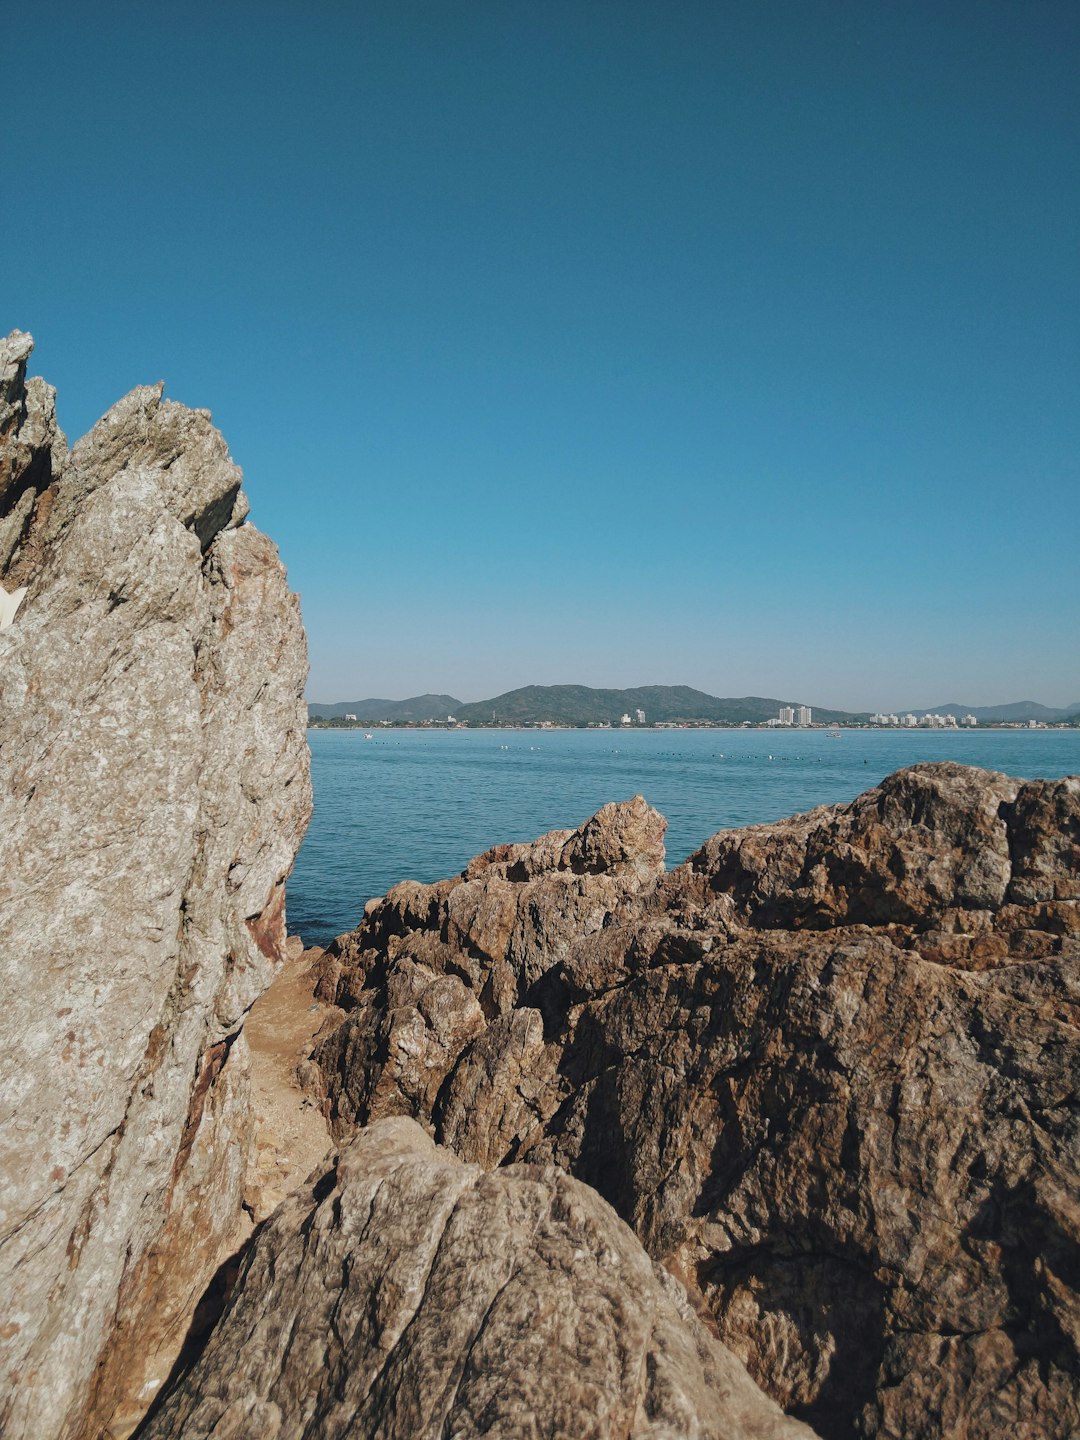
(291,1136)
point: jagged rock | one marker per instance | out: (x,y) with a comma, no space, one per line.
(468,950)
(33,451)
(828,1070)
(932,840)
(408,1295)
(153,793)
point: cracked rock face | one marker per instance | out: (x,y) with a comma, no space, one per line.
(828,1070)
(408,1296)
(33,452)
(153,792)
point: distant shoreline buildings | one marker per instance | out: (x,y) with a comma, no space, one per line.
(793,715)
(930,721)
(556,707)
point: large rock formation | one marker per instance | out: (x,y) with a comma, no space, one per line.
(408,1296)
(153,792)
(828,1070)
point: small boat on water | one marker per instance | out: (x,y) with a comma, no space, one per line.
(835,735)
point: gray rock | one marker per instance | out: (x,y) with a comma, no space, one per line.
(154,790)
(407,1296)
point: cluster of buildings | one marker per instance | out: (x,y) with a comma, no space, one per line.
(638,718)
(793,715)
(929,721)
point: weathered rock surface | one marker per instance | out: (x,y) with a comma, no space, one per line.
(408,1295)
(33,452)
(291,1136)
(153,793)
(828,1070)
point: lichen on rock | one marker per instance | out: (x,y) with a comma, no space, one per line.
(154,790)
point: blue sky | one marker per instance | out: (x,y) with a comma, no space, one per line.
(732,345)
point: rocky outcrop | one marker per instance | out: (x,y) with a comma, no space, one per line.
(828,1070)
(405,1294)
(153,793)
(465,952)
(33,452)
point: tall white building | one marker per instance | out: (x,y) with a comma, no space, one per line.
(787,715)
(804,714)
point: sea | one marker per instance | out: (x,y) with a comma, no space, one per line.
(403,804)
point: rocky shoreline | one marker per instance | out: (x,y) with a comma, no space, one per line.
(826,1069)
(783,1141)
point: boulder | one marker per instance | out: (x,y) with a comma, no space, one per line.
(828,1070)
(405,1294)
(154,790)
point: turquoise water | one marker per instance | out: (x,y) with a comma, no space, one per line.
(418,804)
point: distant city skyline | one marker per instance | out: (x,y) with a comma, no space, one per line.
(722,345)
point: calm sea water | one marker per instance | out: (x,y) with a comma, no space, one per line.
(418,804)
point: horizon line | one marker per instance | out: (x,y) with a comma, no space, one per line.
(532,685)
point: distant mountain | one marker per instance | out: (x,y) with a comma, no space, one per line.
(583,705)
(370,712)
(1017,710)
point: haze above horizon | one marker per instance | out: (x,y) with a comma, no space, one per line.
(723,345)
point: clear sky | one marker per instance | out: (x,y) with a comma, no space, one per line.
(725,344)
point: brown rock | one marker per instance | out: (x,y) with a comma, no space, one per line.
(828,1070)
(153,793)
(469,949)
(408,1295)
(929,839)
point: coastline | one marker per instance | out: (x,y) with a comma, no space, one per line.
(545,727)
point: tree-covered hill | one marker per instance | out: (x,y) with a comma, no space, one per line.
(583,705)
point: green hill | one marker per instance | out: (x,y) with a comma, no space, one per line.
(583,705)
(398,712)
(1018,710)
